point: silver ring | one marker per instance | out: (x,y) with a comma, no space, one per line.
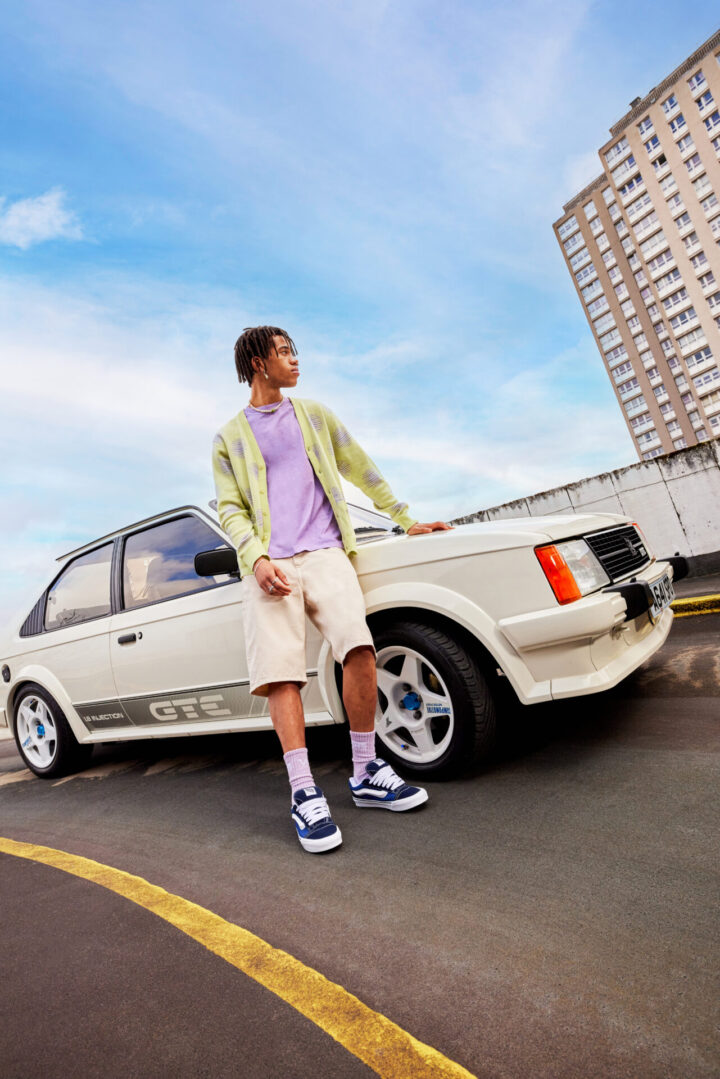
(271,586)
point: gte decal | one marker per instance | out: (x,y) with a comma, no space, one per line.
(167,711)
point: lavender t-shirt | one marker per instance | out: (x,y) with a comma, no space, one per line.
(301,517)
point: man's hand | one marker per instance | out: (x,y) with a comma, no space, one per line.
(433,526)
(271,578)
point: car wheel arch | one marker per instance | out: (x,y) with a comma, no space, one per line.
(41,677)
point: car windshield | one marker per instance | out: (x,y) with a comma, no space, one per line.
(369,524)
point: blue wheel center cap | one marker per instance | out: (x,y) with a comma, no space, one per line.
(411,701)
(40,730)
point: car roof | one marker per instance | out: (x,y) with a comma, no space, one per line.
(137,524)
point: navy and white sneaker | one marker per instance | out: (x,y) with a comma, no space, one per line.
(383,789)
(315,827)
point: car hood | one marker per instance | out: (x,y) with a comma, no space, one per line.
(479,537)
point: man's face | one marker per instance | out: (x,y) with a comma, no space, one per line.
(282,367)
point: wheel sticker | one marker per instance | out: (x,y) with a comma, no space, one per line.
(26,743)
(444,709)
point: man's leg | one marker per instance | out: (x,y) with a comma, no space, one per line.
(288,719)
(360,698)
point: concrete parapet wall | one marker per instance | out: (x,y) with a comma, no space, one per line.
(674,498)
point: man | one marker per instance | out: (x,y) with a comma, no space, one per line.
(277,467)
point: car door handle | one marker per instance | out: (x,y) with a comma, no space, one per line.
(127,638)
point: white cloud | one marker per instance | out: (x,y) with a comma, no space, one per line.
(34,220)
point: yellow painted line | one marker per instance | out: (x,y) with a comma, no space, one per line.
(385,1047)
(709,604)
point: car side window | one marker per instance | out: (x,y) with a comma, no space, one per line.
(82,591)
(158,562)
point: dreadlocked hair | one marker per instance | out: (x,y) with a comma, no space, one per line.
(256,341)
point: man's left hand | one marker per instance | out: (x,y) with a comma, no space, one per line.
(433,526)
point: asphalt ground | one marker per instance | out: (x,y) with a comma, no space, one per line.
(552,915)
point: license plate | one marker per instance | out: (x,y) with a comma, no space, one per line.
(663,594)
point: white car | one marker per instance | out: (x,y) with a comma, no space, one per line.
(139,634)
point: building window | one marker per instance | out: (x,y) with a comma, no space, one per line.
(706,280)
(583,275)
(614,274)
(696,81)
(596,226)
(701,356)
(628,167)
(658,240)
(709,203)
(670,104)
(604,323)
(704,100)
(677,124)
(627,308)
(691,241)
(714,300)
(676,299)
(590,210)
(659,163)
(573,242)
(668,184)
(638,206)
(674,203)
(578,259)
(707,378)
(567,227)
(685,143)
(668,279)
(693,163)
(660,390)
(661,260)
(712,122)
(689,315)
(690,338)
(608,195)
(652,144)
(597,307)
(683,221)
(615,152)
(698,260)
(645,125)
(630,186)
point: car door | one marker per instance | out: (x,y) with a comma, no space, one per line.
(74,643)
(176,642)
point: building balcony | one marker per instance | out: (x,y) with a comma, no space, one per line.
(636,407)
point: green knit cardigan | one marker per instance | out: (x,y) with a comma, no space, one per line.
(240,479)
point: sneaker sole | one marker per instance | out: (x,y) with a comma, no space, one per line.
(317,846)
(396,807)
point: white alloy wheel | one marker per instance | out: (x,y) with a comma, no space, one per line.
(37,733)
(414,716)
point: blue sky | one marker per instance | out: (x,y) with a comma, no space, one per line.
(379,178)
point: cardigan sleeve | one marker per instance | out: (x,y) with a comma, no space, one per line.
(360,469)
(233,513)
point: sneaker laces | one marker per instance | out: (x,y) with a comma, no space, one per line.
(314,810)
(386,777)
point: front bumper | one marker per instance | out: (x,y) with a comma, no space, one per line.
(595,642)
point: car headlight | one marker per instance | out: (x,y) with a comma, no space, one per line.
(571,569)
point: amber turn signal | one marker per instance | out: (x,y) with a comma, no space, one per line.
(558,574)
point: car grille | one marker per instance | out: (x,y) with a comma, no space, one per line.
(618,550)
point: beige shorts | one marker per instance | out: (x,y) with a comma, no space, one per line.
(324,586)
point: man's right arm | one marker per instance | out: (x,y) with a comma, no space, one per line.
(233,512)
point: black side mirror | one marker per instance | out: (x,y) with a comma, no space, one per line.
(221,560)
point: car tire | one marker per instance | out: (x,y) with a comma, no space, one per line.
(452,727)
(43,736)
